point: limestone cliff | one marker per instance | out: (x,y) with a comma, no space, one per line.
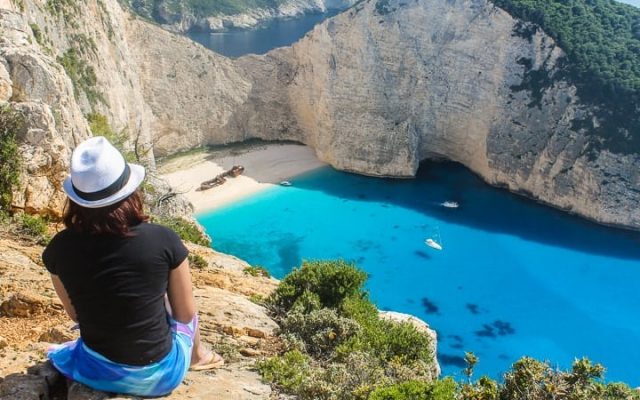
(388,84)
(60,61)
(374,90)
(180,16)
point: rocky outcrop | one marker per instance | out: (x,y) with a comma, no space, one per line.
(374,90)
(420,326)
(31,318)
(180,18)
(192,92)
(388,84)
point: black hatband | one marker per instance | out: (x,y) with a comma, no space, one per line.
(108,191)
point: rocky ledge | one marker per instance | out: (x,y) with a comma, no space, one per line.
(31,319)
(231,322)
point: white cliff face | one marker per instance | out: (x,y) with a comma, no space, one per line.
(192,92)
(37,87)
(35,37)
(387,84)
(374,90)
(184,21)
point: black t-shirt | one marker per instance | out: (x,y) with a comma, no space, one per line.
(117,287)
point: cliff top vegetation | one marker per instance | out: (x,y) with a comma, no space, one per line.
(602,41)
(336,346)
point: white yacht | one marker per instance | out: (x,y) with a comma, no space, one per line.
(450,204)
(432,243)
(285,183)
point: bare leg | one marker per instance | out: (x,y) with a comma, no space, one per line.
(199,352)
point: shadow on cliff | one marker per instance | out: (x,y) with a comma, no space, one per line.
(481,207)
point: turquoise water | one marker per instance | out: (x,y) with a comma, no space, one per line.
(514,278)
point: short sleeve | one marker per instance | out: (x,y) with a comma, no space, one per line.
(176,250)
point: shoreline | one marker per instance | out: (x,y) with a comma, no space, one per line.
(266,165)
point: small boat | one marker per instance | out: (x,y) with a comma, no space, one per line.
(285,183)
(432,243)
(235,171)
(450,204)
(217,181)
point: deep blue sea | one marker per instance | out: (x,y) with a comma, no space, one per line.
(514,277)
(277,33)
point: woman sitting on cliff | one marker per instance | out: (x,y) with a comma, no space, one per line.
(113,271)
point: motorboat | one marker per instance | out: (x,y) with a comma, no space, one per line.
(285,183)
(433,244)
(450,204)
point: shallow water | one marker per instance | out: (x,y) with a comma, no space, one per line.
(514,278)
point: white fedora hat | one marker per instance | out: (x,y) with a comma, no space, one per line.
(99,175)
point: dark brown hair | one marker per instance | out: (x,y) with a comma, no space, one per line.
(115,219)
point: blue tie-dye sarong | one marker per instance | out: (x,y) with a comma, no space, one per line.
(78,362)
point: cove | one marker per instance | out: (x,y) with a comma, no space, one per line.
(277,33)
(514,277)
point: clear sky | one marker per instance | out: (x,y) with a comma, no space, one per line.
(632,2)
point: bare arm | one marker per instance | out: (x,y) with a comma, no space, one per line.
(64,297)
(180,293)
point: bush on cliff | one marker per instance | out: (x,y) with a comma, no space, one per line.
(444,389)
(187,230)
(326,317)
(82,75)
(11,122)
(331,281)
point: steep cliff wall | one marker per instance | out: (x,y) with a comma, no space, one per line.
(192,92)
(387,84)
(64,60)
(181,16)
(374,90)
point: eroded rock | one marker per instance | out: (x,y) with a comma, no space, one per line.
(421,326)
(24,305)
(24,387)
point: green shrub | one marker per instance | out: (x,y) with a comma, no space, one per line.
(187,230)
(257,299)
(306,303)
(257,271)
(356,377)
(417,390)
(33,226)
(530,379)
(287,371)
(82,75)
(99,125)
(331,281)
(11,122)
(197,261)
(484,389)
(601,41)
(37,34)
(388,340)
(320,330)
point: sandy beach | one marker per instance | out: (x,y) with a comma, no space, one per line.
(265,166)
